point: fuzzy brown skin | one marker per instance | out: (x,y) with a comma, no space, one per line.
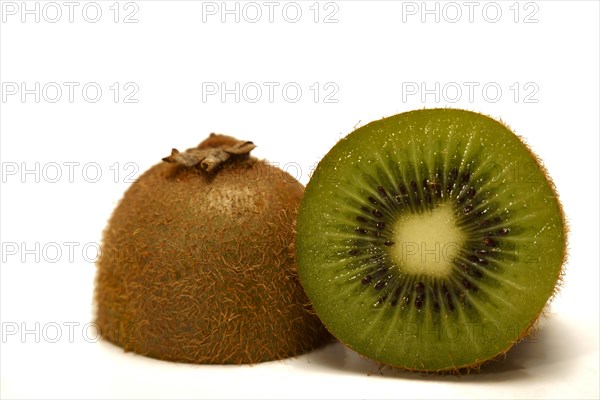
(200,267)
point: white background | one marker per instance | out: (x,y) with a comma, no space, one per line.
(368,61)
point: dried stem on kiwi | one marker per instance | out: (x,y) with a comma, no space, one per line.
(212,153)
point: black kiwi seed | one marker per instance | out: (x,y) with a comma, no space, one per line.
(420,288)
(489,242)
(476,273)
(389,243)
(362,231)
(380,225)
(474,258)
(449,302)
(426,184)
(477,260)
(453,174)
(378,213)
(372,200)
(382,191)
(361,219)
(466,177)
(419,302)
(396,296)
(366,279)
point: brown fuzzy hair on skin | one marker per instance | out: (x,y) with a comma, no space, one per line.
(200,267)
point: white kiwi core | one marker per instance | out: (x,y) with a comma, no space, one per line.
(426,244)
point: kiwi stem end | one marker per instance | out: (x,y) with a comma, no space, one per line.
(211,153)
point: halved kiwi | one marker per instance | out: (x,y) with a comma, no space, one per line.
(430,240)
(198,261)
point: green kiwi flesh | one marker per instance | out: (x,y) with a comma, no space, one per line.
(430,240)
(198,261)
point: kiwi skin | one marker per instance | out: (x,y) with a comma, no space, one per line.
(330,185)
(200,267)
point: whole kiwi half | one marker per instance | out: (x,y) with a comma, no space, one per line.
(198,261)
(430,240)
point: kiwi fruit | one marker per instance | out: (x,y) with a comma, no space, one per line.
(198,261)
(430,240)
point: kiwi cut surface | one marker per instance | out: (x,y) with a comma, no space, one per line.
(198,261)
(430,240)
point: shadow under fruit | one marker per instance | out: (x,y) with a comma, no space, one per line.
(198,261)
